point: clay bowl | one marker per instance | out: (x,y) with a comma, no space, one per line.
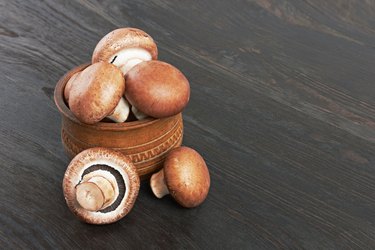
(146,142)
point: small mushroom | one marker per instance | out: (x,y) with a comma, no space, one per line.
(68,86)
(100,185)
(157,89)
(97,92)
(125,47)
(185,176)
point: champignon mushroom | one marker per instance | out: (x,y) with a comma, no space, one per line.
(185,176)
(157,89)
(97,92)
(125,47)
(68,86)
(100,185)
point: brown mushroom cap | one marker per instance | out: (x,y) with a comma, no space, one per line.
(120,39)
(186,176)
(68,86)
(97,157)
(95,93)
(157,89)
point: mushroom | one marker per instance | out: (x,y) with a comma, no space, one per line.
(68,86)
(97,92)
(100,185)
(125,47)
(185,176)
(157,89)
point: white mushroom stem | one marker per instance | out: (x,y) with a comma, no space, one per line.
(128,58)
(95,193)
(105,186)
(89,196)
(158,186)
(121,112)
(138,114)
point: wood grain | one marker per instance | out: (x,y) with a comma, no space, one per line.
(282,108)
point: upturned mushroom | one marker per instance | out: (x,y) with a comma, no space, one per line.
(100,185)
(97,92)
(157,89)
(184,176)
(125,48)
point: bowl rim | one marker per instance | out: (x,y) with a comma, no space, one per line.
(66,112)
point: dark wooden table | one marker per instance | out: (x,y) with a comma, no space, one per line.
(282,109)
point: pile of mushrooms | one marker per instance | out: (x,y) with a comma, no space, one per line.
(126,80)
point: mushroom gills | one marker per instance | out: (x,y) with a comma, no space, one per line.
(119,180)
(127,58)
